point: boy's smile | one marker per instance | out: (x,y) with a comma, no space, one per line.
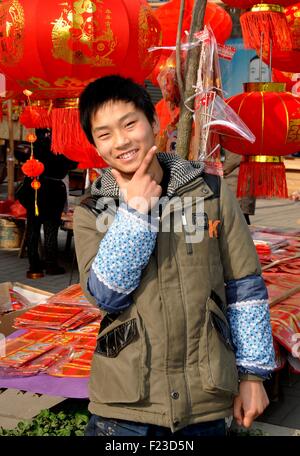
(122,135)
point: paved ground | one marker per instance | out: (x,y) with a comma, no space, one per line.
(284,411)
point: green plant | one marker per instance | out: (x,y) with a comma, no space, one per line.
(48,423)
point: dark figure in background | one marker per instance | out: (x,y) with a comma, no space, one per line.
(51,199)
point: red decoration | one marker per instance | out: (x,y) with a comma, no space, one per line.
(246,4)
(72,141)
(288,60)
(167,15)
(31,137)
(58,52)
(37,114)
(35,184)
(274,118)
(33,168)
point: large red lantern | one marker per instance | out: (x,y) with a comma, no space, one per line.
(288,60)
(56,53)
(55,48)
(274,119)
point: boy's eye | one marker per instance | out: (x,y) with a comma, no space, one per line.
(131,123)
(103,136)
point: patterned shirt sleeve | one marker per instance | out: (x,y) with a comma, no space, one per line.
(123,253)
(249,318)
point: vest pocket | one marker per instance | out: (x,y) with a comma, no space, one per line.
(216,357)
(119,364)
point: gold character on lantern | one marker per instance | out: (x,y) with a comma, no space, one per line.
(11,32)
(294,131)
(83,35)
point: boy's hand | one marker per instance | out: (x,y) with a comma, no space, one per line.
(250,403)
(142,191)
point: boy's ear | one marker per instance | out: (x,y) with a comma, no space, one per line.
(156,125)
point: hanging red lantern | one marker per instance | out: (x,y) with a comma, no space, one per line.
(33,168)
(56,54)
(288,60)
(264,22)
(37,114)
(273,116)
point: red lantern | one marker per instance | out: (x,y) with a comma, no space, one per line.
(247,4)
(33,167)
(37,114)
(264,22)
(55,54)
(274,118)
(288,60)
(167,15)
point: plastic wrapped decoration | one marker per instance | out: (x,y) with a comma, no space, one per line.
(212,117)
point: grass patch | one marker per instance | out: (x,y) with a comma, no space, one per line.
(68,418)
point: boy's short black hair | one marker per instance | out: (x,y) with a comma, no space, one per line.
(112,88)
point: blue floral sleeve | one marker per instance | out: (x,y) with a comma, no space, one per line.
(123,254)
(249,318)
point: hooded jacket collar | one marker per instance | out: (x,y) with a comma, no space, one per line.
(180,173)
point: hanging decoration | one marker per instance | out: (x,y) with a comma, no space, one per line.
(264,23)
(56,54)
(287,60)
(36,114)
(273,115)
(167,16)
(33,168)
(68,137)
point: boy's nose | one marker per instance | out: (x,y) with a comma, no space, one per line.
(121,140)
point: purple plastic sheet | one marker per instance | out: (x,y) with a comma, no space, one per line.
(69,387)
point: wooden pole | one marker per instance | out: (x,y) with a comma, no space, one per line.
(186,116)
(10,158)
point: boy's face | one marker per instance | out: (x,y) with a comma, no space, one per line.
(122,135)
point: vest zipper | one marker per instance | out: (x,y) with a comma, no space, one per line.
(189,247)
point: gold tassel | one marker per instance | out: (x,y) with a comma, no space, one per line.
(35,203)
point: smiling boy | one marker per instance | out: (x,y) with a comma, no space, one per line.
(185,337)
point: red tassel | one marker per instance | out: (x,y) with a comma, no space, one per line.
(266,25)
(66,130)
(262,180)
(69,139)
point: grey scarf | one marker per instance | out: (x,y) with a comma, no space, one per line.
(180,173)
